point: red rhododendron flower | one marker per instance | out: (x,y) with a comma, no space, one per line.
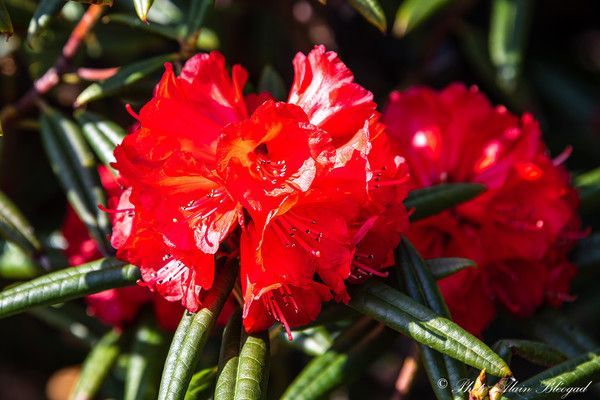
(311,184)
(519,231)
(114,306)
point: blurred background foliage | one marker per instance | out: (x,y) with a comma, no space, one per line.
(537,56)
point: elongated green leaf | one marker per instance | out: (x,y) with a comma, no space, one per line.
(443,267)
(553,328)
(6,27)
(67,284)
(433,362)
(229,358)
(535,352)
(44,13)
(15,263)
(412,13)
(73,319)
(147,357)
(201,384)
(435,199)
(401,313)
(98,2)
(350,353)
(102,135)
(588,185)
(191,336)
(168,32)
(372,11)
(74,166)
(15,228)
(580,372)
(422,287)
(126,77)
(253,367)
(142,7)
(97,365)
(508,33)
(312,341)
(271,82)
(196,16)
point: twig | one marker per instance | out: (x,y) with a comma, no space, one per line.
(52,76)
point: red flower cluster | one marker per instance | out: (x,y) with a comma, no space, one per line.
(310,183)
(115,307)
(519,231)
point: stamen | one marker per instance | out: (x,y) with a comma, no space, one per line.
(131,112)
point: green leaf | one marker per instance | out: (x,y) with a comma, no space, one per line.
(201,383)
(142,7)
(97,365)
(578,372)
(72,319)
(97,2)
(191,336)
(15,228)
(422,287)
(313,341)
(553,328)
(509,27)
(412,13)
(102,135)
(535,352)
(196,16)
(229,358)
(444,267)
(588,185)
(270,81)
(168,32)
(126,77)
(147,356)
(401,313)
(6,27)
(433,362)
(372,11)
(15,263)
(44,13)
(351,352)
(435,199)
(74,165)
(253,367)
(67,284)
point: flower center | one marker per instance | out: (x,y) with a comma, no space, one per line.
(299,232)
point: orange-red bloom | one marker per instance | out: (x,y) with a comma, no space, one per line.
(307,181)
(519,231)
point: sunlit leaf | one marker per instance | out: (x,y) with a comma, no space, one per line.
(351,352)
(401,313)
(142,7)
(66,284)
(44,13)
(97,365)
(15,228)
(588,185)
(228,358)
(102,134)
(412,13)
(578,372)
(125,77)
(201,384)
(191,336)
(147,357)
(253,367)
(372,11)
(74,165)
